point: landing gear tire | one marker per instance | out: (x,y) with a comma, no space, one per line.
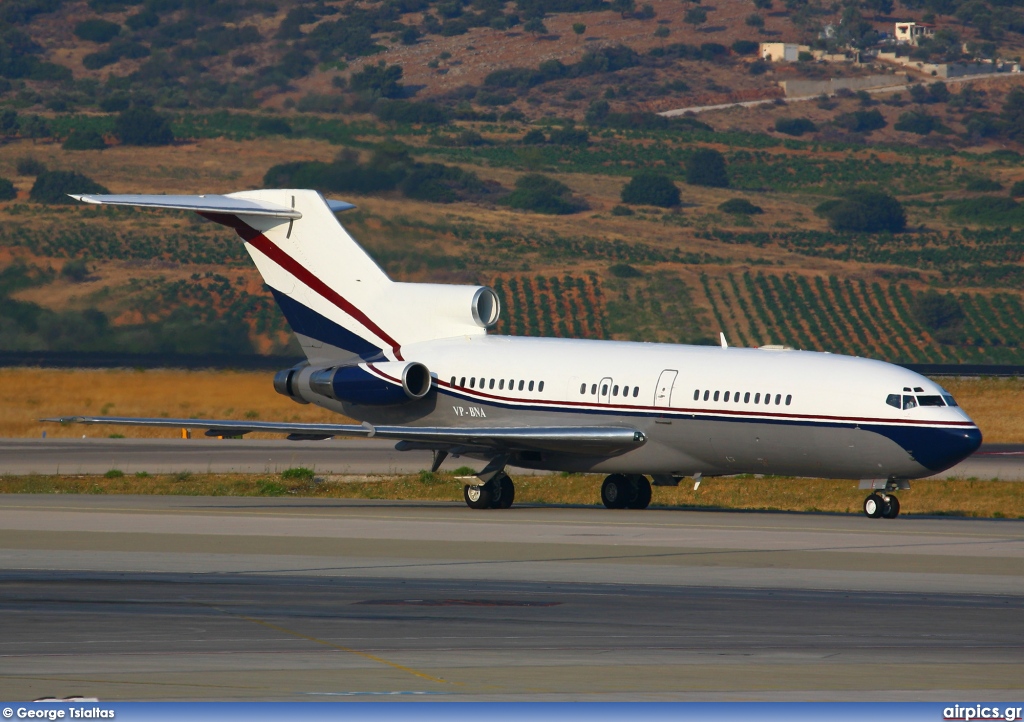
(641,489)
(478,497)
(616,492)
(506,492)
(891,507)
(874,505)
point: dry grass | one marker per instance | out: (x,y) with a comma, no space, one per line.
(990,499)
(28,394)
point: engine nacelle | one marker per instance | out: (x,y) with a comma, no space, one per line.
(285,383)
(373,384)
(426,311)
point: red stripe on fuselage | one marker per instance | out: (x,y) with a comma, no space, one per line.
(270,250)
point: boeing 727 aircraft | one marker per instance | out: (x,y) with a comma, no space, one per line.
(414,362)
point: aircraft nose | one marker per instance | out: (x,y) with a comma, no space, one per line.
(951,446)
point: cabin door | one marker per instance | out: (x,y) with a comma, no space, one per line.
(604,391)
(663,391)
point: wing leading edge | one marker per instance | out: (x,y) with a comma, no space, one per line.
(582,440)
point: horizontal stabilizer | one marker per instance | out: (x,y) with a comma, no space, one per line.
(588,440)
(203,204)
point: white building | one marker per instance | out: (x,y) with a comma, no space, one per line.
(913,33)
(782,52)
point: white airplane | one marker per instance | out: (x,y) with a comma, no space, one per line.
(413,362)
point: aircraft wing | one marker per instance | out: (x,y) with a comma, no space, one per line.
(583,440)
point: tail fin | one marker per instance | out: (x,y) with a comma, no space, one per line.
(338,301)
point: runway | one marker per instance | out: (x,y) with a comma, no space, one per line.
(255,598)
(337,456)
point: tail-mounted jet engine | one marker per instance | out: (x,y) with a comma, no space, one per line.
(373,384)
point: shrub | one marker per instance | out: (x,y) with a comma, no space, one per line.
(86,139)
(53,186)
(992,210)
(97,30)
(273,126)
(795,126)
(861,121)
(865,211)
(569,136)
(982,185)
(27,165)
(745,47)
(624,270)
(143,126)
(1017,189)
(651,189)
(534,137)
(740,206)
(407,111)
(76,270)
(7,190)
(380,80)
(917,122)
(541,194)
(298,473)
(941,315)
(706,167)
(114,474)
(622,211)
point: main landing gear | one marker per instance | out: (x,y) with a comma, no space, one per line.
(498,493)
(882,505)
(620,491)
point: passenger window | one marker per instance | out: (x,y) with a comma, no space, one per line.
(929,401)
(736,397)
(540,387)
(593,389)
(893,400)
(716,396)
(746,398)
(463,382)
(767,399)
(615,390)
(521,385)
(583,389)
(696,395)
(472,382)
(636,391)
(949,400)
(604,389)
(789,399)
(531,386)
(707,395)
(453,381)
(778,399)
(909,402)
(757,398)
(726,396)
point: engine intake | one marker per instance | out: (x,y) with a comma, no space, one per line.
(373,384)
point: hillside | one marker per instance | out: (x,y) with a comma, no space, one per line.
(442,155)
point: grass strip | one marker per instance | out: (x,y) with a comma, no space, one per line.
(966,498)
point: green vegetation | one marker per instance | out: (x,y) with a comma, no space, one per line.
(55,186)
(7,190)
(86,139)
(541,194)
(706,167)
(651,189)
(143,126)
(740,206)
(794,126)
(864,211)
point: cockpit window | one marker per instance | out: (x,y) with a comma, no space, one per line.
(949,400)
(909,402)
(930,401)
(894,401)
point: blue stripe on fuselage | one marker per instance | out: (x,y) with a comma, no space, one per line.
(935,448)
(309,323)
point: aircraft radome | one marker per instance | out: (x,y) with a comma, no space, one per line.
(414,362)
